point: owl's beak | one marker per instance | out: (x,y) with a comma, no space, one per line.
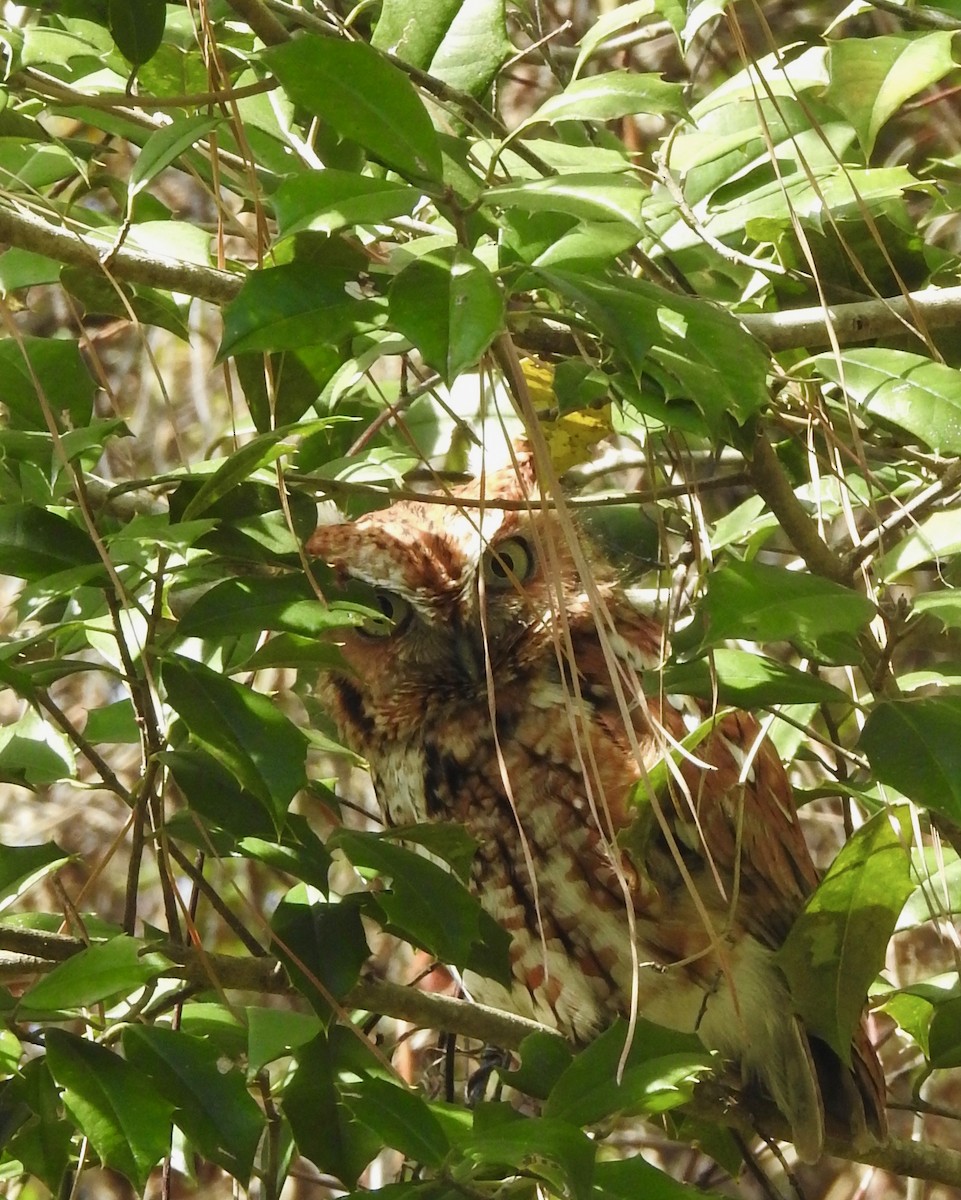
(469,652)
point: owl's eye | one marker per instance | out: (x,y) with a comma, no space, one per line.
(508,564)
(396,613)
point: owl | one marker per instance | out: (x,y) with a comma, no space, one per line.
(512,687)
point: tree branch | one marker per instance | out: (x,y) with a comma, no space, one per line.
(799,328)
(30,232)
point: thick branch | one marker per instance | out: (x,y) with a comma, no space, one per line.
(798,328)
(775,488)
(30,232)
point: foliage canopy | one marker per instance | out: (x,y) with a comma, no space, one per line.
(261,254)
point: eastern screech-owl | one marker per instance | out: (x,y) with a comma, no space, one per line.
(504,692)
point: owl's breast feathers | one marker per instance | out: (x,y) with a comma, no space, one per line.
(539,755)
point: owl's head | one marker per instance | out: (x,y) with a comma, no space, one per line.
(468,583)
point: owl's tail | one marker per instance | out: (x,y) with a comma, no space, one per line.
(819,1095)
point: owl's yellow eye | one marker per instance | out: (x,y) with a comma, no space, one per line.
(396,613)
(508,564)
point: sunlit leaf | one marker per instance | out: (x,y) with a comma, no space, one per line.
(915,746)
(128,1125)
(401,1119)
(837,945)
(99,972)
(871,77)
(241,729)
(363,96)
(211,1104)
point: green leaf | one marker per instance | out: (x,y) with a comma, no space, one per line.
(128,1124)
(325,1130)
(944,1035)
(275,1033)
(331,200)
(837,945)
(611,23)
(770,604)
(915,746)
(748,680)
(401,1119)
(450,306)
(35,543)
(54,367)
(588,197)
(241,729)
(211,1105)
(243,605)
(543,1060)
(166,145)
(321,944)
(943,606)
(608,97)
(872,77)
(428,904)
(630,1178)
(658,1073)
(22,866)
(137,27)
(899,388)
(474,47)
(101,972)
(694,351)
(934,539)
(364,97)
(215,796)
(558,1153)
(293,306)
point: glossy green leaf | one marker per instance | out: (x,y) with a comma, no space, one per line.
(241,729)
(897,387)
(450,306)
(837,945)
(211,1104)
(932,540)
(401,1118)
(586,197)
(694,351)
(241,605)
(100,972)
(276,1032)
(364,97)
(325,1130)
(137,27)
(427,903)
(166,145)
(474,47)
(629,1178)
(747,680)
(22,866)
(295,305)
(609,96)
(620,18)
(322,945)
(871,77)
(128,1124)
(915,746)
(558,1153)
(658,1073)
(214,794)
(114,723)
(36,543)
(54,367)
(943,606)
(944,1035)
(769,604)
(331,200)
(544,1058)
